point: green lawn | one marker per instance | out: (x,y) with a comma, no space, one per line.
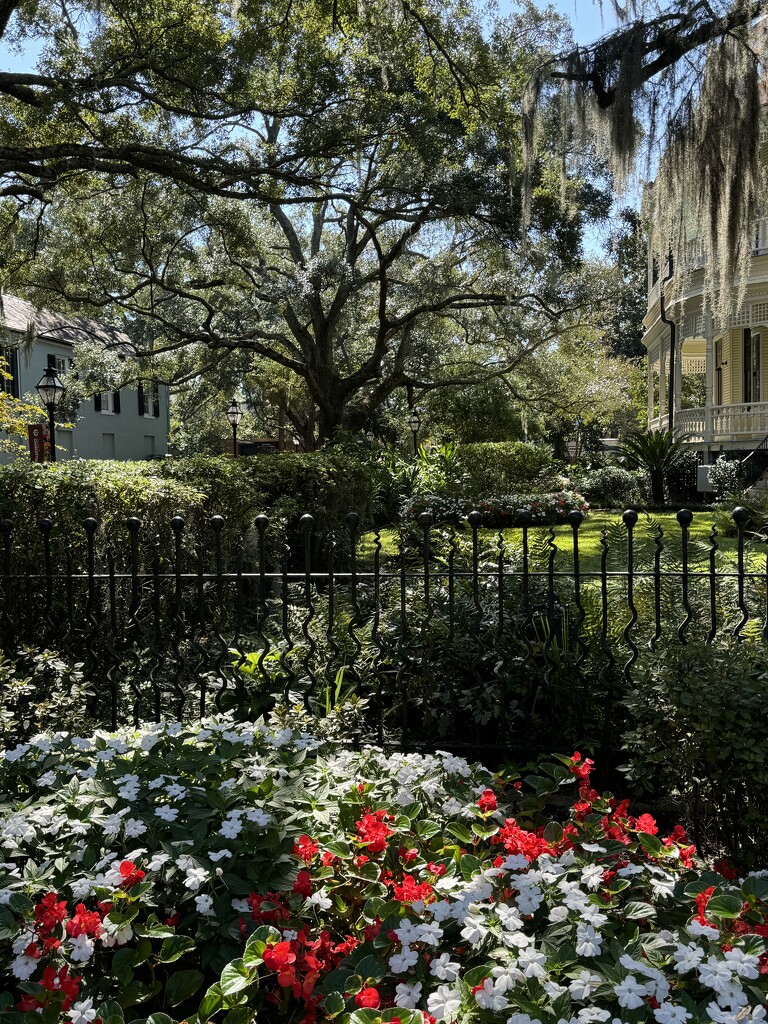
(590,534)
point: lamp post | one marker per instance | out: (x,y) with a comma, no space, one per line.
(414,422)
(234,415)
(370,437)
(51,391)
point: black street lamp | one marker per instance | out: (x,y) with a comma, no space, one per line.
(370,437)
(414,422)
(51,391)
(234,415)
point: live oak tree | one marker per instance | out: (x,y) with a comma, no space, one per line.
(335,188)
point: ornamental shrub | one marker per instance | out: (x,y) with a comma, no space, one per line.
(698,734)
(505,467)
(326,484)
(612,486)
(223,872)
(547,507)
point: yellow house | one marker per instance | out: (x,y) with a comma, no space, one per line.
(719,370)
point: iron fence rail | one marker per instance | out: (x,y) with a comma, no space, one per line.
(451,637)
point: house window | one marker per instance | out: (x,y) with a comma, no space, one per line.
(751,366)
(10,364)
(108,402)
(149,399)
(59,363)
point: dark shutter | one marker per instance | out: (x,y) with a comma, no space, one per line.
(156,400)
(13,369)
(141,398)
(51,360)
(97,402)
(116,401)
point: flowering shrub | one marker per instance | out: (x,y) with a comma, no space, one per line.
(546,507)
(235,873)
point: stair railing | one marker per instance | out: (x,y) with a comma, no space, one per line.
(754,465)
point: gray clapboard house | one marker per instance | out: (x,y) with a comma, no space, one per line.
(131,423)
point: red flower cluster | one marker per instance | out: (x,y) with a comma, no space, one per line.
(306,848)
(130,874)
(54,982)
(372,830)
(517,840)
(410,890)
(487,801)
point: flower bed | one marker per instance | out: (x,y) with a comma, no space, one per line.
(545,507)
(233,873)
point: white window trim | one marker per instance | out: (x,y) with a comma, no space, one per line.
(107,398)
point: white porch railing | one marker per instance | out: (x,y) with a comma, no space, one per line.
(693,422)
(728,422)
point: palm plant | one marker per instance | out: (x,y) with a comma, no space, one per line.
(655,451)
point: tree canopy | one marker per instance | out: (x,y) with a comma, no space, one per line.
(356,196)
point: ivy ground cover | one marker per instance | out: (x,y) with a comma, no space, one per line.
(223,872)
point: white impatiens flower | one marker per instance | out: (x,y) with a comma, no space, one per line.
(158,860)
(592,876)
(218,855)
(489,997)
(558,914)
(117,936)
(203,903)
(81,949)
(408,932)
(430,934)
(167,813)
(509,917)
(23,967)
(588,940)
(444,968)
(687,957)
(407,996)
(721,1016)
(133,827)
(715,974)
(82,1013)
(668,1013)
(522,1018)
(474,930)
(582,987)
(745,965)
(400,962)
(444,1003)
(231,828)
(195,878)
(532,964)
(630,993)
(697,930)
(258,817)
(592,1015)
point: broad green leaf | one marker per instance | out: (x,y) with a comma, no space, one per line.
(182,985)
(724,906)
(235,977)
(175,947)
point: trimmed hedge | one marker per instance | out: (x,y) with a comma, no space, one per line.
(505,467)
(326,484)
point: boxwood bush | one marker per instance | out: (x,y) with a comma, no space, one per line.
(326,484)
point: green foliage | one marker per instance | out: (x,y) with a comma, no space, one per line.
(611,486)
(724,477)
(41,690)
(503,467)
(326,484)
(697,733)
(655,451)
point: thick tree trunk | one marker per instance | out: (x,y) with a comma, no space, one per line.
(657,487)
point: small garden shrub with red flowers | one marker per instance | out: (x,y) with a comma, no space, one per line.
(239,873)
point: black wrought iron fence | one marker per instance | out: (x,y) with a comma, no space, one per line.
(452,635)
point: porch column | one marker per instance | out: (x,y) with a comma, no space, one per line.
(651,390)
(662,385)
(678,377)
(709,382)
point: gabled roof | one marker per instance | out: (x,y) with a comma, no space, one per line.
(17,314)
